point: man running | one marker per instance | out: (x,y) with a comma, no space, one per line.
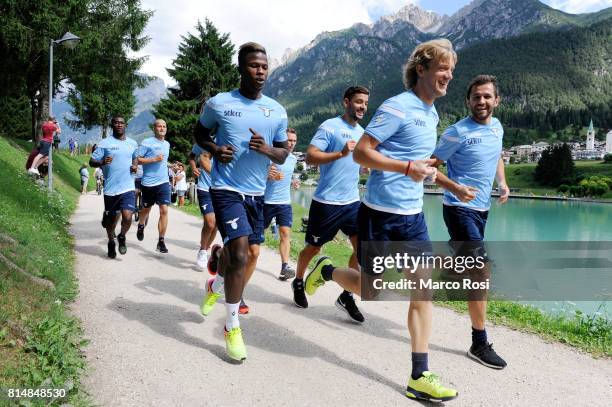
(48,129)
(397,145)
(335,203)
(117,156)
(250,131)
(277,203)
(153,156)
(472,151)
(201,165)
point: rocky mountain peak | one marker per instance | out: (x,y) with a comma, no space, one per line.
(425,21)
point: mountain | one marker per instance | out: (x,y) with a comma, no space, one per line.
(138,126)
(311,82)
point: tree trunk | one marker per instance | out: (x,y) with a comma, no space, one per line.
(104,128)
(33,109)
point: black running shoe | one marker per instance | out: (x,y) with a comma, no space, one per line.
(111,249)
(299,297)
(286,274)
(485,355)
(122,246)
(140,232)
(346,302)
(161,247)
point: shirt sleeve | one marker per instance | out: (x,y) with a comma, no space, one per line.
(135,153)
(387,120)
(281,132)
(143,150)
(448,144)
(322,138)
(208,117)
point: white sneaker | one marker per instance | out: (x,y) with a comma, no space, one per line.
(33,171)
(202,261)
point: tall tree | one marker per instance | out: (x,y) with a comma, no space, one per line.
(556,166)
(202,68)
(104,76)
(107,28)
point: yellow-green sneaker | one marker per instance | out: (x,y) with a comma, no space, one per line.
(234,345)
(210,299)
(428,387)
(314,279)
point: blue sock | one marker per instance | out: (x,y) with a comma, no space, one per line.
(479,337)
(419,364)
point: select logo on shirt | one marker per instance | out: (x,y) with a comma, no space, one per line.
(473,140)
(346,135)
(232,113)
(266,111)
(112,148)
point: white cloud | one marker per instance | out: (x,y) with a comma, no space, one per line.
(579,6)
(276,24)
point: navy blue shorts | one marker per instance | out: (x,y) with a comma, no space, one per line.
(157,194)
(282,212)
(378,226)
(325,220)
(205,202)
(238,215)
(137,183)
(113,204)
(465,224)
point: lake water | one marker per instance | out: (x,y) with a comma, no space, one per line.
(527,220)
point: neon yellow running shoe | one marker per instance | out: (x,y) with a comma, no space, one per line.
(234,345)
(428,387)
(210,299)
(314,279)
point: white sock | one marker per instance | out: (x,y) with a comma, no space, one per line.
(217,285)
(231,320)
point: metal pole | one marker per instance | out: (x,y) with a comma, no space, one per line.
(50,165)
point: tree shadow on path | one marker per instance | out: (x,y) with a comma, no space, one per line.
(166,320)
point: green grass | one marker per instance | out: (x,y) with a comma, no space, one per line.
(521,176)
(39,340)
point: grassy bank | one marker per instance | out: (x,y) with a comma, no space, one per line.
(521,176)
(39,340)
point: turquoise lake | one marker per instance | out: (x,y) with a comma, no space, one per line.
(528,220)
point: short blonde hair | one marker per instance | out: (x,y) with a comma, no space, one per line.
(423,54)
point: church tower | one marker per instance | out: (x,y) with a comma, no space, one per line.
(590,141)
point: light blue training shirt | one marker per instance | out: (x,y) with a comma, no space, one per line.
(232,114)
(279,192)
(405,126)
(154,173)
(471,151)
(117,176)
(339,180)
(204,180)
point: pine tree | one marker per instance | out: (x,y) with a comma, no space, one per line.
(202,68)
(556,166)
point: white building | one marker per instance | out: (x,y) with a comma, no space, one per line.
(609,142)
(590,139)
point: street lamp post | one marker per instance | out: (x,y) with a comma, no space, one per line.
(70,41)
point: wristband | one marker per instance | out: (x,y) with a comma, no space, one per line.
(408,168)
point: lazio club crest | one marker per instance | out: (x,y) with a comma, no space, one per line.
(266,111)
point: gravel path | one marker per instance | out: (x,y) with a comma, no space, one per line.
(150,346)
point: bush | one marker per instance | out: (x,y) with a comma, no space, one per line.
(563,188)
(608,158)
(303,176)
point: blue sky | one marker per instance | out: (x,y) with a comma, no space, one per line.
(282,24)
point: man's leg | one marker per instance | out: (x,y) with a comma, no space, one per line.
(36,162)
(110,233)
(306,255)
(285,243)
(211,230)
(162,225)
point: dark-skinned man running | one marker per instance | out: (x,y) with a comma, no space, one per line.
(250,131)
(117,156)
